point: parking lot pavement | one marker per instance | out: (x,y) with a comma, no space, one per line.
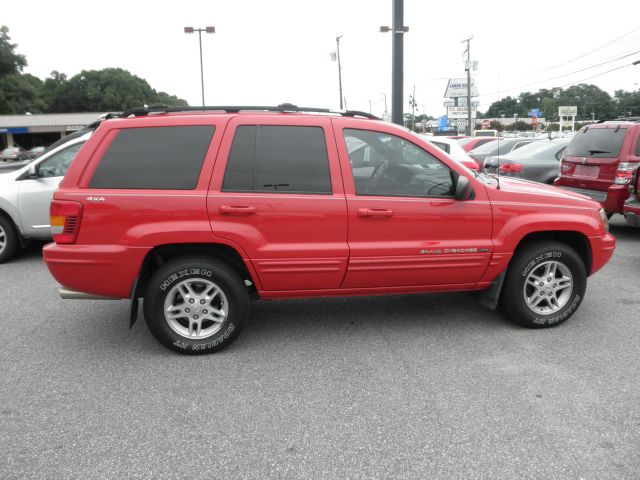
(424,386)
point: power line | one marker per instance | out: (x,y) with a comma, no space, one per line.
(583,80)
(560,76)
(588,53)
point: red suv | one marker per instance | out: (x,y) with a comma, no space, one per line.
(632,205)
(197,213)
(600,162)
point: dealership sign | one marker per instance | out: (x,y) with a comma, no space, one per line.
(457,87)
(461,112)
(568,111)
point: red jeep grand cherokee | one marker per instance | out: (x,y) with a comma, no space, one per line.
(600,162)
(197,213)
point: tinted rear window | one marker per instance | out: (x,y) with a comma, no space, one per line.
(597,142)
(164,158)
(280,159)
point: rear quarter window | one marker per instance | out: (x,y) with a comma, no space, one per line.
(597,143)
(163,158)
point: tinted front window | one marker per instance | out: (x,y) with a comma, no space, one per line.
(165,158)
(279,159)
(395,166)
(597,142)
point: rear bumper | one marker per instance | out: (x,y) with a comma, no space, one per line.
(612,200)
(102,270)
(632,212)
(602,248)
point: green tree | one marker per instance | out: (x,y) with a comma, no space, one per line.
(20,94)
(10,61)
(627,103)
(110,89)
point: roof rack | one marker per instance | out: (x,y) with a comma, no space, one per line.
(284,108)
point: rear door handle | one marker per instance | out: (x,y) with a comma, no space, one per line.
(237,210)
(375,212)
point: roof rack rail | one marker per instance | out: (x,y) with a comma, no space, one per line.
(623,119)
(284,107)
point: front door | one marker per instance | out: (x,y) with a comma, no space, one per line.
(405,227)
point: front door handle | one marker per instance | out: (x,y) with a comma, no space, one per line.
(375,212)
(237,210)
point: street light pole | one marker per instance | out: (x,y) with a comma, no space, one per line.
(200,30)
(398,30)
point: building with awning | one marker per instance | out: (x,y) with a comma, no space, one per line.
(34,130)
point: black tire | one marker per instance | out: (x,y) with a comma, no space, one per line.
(198,273)
(529,262)
(8,239)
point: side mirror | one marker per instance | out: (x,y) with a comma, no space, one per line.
(32,172)
(464,190)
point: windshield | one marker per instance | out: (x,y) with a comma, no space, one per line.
(597,142)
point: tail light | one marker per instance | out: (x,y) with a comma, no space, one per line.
(624,173)
(510,167)
(565,166)
(65,220)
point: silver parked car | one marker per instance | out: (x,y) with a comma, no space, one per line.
(25,196)
(538,161)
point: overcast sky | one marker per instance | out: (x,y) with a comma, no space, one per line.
(269,52)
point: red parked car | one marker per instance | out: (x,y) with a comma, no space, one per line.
(600,162)
(470,143)
(197,213)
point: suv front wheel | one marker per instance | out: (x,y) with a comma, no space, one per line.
(544,286)
(196,305)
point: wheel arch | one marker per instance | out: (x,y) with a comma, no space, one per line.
(161,254)
(576,240)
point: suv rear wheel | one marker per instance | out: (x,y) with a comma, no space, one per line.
(196,305)
(544,286)
(8,239)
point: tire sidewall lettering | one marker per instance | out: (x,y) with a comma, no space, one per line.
(201,272)
(540,258)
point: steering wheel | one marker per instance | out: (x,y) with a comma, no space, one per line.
(378,173)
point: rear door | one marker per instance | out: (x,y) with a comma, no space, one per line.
(277,193)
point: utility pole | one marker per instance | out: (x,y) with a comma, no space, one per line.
(339,68)
(398,30)
(412,102)
(467,67)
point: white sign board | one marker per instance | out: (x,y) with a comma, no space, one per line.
(567,111)
(457,87)
(458,123)
(461,112)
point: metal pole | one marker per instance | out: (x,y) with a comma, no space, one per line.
(201,68)
(339,69)
(397,63)
(468,69)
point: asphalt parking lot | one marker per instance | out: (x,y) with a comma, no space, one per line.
(425,386)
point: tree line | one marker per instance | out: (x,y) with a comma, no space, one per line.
(109,89)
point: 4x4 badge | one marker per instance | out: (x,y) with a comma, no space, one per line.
(95,199)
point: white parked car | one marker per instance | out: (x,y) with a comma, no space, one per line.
(454,149)
(25,196)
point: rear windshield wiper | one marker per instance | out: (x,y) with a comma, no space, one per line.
(591,152)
